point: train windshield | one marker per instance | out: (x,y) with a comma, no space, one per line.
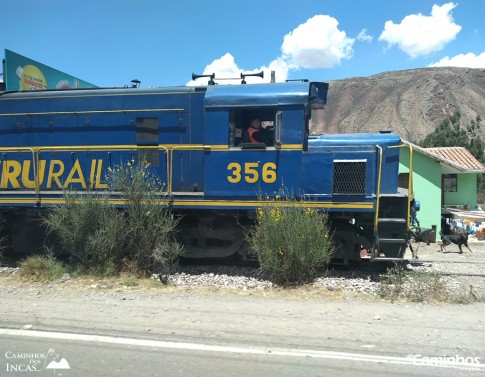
(317,99)
(318,94)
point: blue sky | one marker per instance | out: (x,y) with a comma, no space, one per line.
(161,42)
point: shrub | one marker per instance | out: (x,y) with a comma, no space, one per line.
(3,247)
(103,239)
(291,240)
(41,268)
(414,286)
(90,230)
(150,226)
(4,238)
(131,281)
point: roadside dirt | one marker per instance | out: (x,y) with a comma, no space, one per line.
(465,272)
(307,317)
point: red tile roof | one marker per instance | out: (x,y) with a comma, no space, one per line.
(457,155)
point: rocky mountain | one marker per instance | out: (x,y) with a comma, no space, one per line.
(411,103)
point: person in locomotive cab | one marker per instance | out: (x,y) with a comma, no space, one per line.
(256,132)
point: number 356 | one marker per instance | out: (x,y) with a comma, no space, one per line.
(252,171)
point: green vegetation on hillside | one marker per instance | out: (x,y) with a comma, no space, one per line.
(451,132)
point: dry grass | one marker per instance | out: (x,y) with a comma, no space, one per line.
(41,268)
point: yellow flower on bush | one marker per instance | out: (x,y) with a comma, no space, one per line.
(309,211)
(275,214)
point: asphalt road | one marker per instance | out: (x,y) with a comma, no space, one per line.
(184,333)
(97,358)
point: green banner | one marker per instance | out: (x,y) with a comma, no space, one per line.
(22,73)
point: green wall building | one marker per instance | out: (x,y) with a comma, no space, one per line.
(444,183)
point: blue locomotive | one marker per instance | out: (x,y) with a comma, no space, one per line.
(196,139)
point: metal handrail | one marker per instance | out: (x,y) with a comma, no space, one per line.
(36,151)
(378,193)
(410,181)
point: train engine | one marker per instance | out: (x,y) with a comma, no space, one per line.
(198,141)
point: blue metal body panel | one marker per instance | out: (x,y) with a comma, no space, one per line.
(193,137)
(105,118)
(323,150)
(249,173)
(78,134)
(229,96)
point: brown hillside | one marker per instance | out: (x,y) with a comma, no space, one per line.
(411,103)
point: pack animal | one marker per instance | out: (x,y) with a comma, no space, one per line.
(458,239)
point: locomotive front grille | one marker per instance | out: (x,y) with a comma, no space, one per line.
(349,177)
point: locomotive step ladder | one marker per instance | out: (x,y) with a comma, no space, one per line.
(391,240)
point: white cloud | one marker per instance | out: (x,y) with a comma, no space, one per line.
(318,43)
(224,66)
(469,60)
(364,37)
(419,35)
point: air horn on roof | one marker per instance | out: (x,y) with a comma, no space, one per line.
(195,76)
(212,77)
(244,75)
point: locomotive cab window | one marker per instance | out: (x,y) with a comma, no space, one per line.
(252,128)
(147,135)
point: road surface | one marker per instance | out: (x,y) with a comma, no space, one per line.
(183,332)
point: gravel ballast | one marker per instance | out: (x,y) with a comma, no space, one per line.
(462,272)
